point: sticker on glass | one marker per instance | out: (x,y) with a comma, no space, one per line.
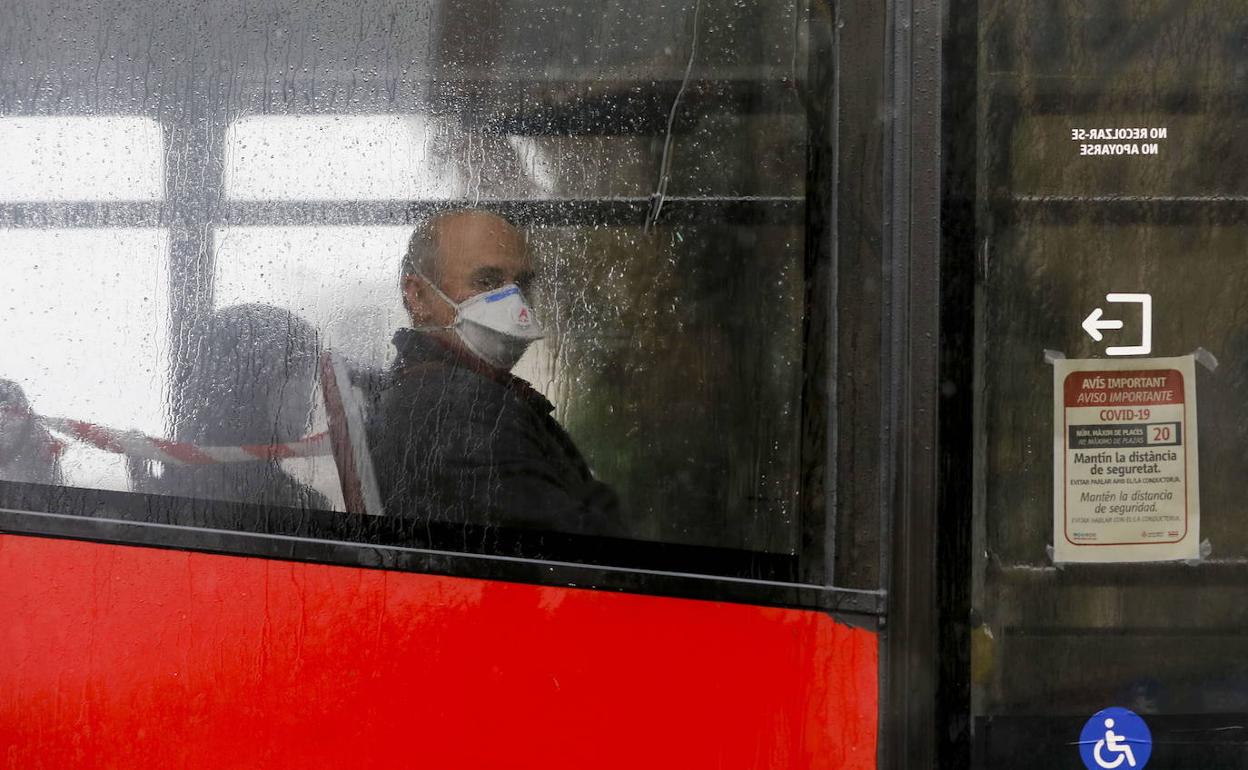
(1115,738)
(1125,479)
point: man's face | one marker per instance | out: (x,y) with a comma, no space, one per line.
(476,252)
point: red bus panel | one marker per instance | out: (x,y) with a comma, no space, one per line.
(128,657)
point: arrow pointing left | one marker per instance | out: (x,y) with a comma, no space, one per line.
(1093,325)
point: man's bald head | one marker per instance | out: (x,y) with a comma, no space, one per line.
(465,253)
(454,235)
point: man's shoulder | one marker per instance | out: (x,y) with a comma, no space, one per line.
(441,386)
(440,374)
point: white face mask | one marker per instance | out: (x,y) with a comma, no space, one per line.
(497,325)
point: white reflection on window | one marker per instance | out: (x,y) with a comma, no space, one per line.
(343,280)
(85,324)
(338,158)
(79,158)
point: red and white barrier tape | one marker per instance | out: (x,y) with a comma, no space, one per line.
(132,443)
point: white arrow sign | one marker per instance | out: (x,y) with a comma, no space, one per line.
(1093,325)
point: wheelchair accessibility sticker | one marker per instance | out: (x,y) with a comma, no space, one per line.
(1115,738)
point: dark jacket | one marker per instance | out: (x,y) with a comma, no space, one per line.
(455,441)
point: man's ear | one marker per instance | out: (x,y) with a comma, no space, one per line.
(414,298)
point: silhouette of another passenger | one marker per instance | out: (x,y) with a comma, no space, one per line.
(27,451)
(251,382)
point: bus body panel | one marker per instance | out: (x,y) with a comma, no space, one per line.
(140,657)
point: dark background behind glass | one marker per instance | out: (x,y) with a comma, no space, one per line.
(1050,646)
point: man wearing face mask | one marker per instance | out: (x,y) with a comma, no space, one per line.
(456,437)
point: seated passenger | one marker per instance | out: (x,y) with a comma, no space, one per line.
(455,437)
(250,382)
(27,451)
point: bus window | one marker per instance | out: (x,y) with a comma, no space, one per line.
(337,157)
(80,158)
(647,196)
(82,304)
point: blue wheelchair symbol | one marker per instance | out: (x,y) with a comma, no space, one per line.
(1115,738)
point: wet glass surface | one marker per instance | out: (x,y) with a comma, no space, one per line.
(199,200)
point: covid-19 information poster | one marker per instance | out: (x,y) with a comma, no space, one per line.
(1125,472)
